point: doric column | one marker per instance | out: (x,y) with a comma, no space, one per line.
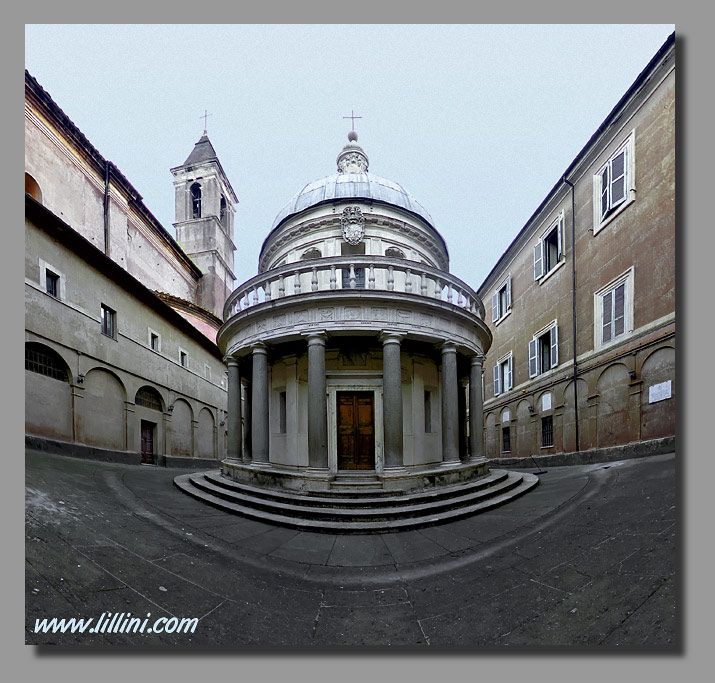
(317,401)
(392,398)
(259,405)
(476,421)
(450,404)
(235,436)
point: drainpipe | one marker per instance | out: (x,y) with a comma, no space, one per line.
(106,207)
(573,308)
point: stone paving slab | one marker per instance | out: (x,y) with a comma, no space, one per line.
(588,557)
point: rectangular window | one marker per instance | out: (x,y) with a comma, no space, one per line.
(52,280)
(282,412)
(501,300)
(613,183)
(428,412)
(544,350)
(613,310)
(207,371)
(505,440)
(154,341)
(549,251)
(547,431)
(52,283)
(183,358)
(503,375)
(109,322)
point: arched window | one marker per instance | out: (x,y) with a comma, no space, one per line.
(394,252)
(223,211)
(149,398)
(45,361)
(311,253)
(32,188)
(196,200)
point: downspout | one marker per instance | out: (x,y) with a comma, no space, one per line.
(573,308)
(106,207)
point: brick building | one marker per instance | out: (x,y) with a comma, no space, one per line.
(583,299)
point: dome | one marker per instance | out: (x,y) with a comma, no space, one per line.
(361,185)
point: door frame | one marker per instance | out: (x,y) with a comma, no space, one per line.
(334,386)
(154,429)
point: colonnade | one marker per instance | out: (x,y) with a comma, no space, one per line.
(255,407)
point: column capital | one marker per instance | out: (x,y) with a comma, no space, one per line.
(448,347)
(260,347)
(315,337)
(232,362)
(477,359)
(392,336)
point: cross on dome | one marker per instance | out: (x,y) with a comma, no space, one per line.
(352,117)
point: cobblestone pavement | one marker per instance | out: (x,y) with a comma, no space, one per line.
(587,558)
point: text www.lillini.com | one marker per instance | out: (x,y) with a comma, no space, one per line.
(117,622)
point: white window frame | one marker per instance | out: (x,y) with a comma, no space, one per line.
(158,340)
(535,368)
(497,313)
(503,375)
(44,267)
(614,205)
(624,278)
(540,273)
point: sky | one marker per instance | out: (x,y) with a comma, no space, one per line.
(478,122)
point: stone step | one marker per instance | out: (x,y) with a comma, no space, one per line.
(381,520)
(356,510)
(333,499)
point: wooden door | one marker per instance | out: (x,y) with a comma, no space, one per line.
(147,443)
(356,430)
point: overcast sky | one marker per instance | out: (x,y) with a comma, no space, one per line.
(477,122)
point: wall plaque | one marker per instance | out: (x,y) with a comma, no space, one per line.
(659,392)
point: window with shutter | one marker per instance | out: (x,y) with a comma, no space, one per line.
(544,350)
(533,359)
(613,183)
(538,261)
(501,300)
(508,384)
(497,381)
(554,343)
(548,253)
(614,309)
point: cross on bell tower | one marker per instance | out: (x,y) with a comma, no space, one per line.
(204,117)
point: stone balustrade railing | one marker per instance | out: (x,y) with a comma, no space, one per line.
(357,273)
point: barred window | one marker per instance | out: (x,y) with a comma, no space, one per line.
(547,431)
(45,361)
(149,398)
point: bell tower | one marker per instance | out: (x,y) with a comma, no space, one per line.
(204,212)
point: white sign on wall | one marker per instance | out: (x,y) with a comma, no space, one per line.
(506,416)
(546,402)
(659,392)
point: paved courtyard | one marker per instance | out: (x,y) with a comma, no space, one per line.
(588,558)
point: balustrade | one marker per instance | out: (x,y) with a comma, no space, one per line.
(384,273)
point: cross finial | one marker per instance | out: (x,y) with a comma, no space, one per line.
(204,117)
(353,117)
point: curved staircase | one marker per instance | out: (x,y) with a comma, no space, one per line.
(357,508)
